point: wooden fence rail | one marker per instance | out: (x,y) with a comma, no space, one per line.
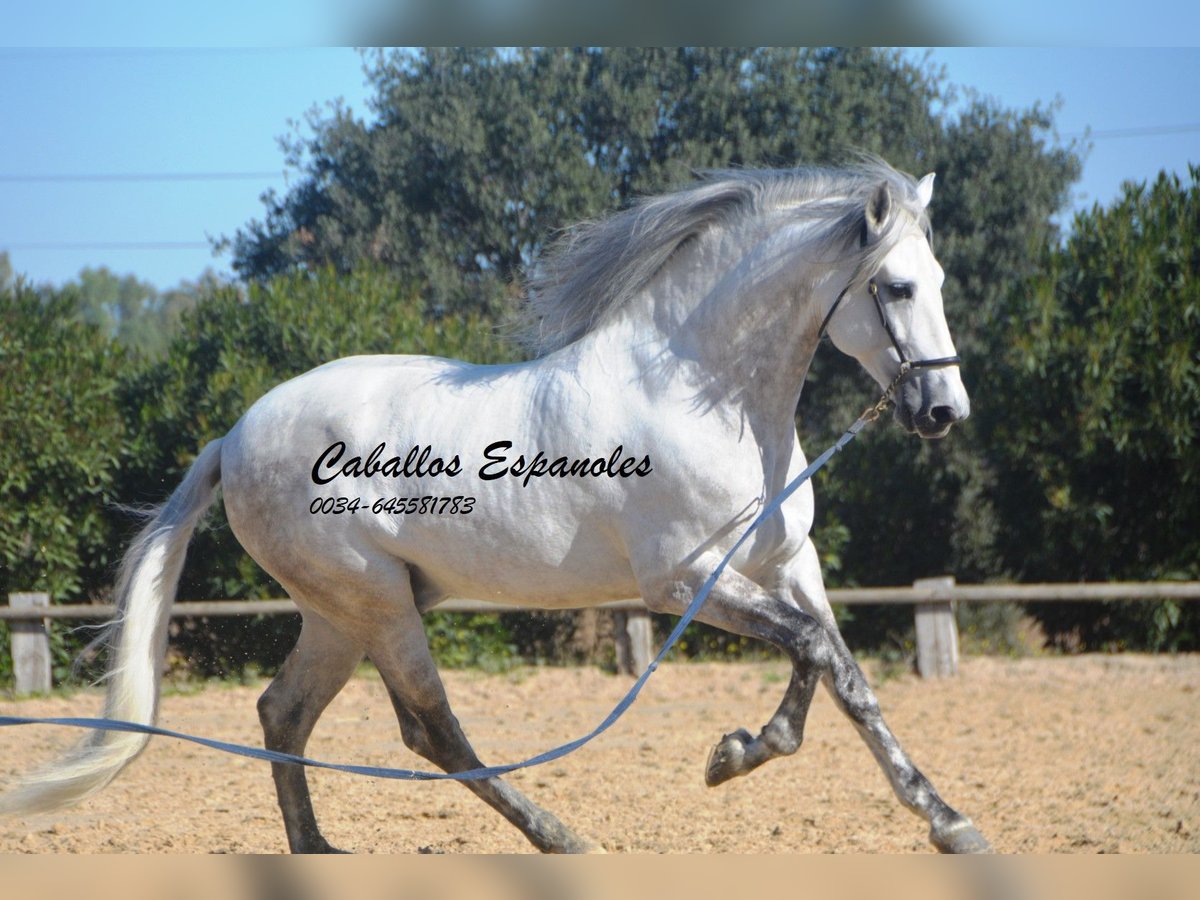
(933,600)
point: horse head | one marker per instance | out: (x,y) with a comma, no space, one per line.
(891,317)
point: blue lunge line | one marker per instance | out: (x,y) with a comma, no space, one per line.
(486,771)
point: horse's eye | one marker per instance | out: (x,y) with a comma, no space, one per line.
(900,290)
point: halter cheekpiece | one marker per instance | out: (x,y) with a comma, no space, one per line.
(906,364)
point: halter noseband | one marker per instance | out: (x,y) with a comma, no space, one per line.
(906,364)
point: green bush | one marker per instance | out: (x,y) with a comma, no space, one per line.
(1092,424)
(60,455)
(470,640)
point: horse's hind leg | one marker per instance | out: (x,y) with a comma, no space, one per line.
(380,613)
(949,831)
(430,729)
(319,666)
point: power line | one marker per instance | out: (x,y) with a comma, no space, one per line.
(14,178)
(139,176)
(108,245)
(1144,131)
(100,177)
(39,54)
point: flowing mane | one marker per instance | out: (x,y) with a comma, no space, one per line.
(595,268)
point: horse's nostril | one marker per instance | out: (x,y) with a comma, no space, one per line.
(943,415)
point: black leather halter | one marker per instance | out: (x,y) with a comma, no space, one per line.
(906,364)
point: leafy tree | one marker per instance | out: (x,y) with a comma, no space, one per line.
(477,156)
(1093,430)
(171,305)
(121,306)
(7,278)
(134,312)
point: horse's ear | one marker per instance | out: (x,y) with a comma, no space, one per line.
(879,211)
(925,190)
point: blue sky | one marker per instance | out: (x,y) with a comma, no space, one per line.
(89,112)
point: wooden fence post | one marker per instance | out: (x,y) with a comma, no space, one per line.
(635,640)
(30,647)
(937,633)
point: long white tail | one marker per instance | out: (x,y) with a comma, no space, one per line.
(145,590)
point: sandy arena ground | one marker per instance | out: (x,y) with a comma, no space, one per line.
(1075,755)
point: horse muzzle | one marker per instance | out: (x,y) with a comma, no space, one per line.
(930,407)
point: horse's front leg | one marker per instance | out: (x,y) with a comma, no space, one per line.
(740,752)
(799,584)
(812,642)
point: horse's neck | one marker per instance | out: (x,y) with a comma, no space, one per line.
(736,322)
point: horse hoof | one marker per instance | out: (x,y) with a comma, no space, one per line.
(961,837)
(727,758)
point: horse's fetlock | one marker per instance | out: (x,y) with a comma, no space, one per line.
(782,740)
